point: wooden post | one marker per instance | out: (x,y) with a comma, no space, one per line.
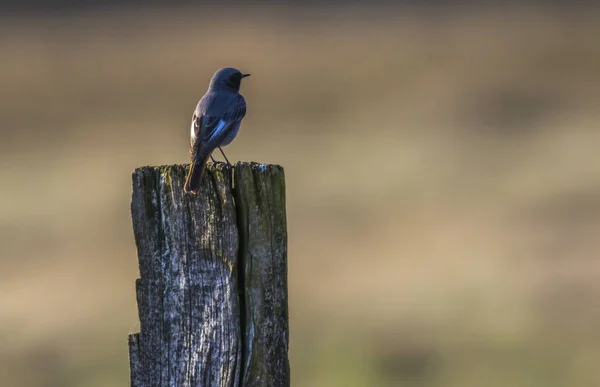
(212,292)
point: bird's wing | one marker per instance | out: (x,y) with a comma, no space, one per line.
(213,123)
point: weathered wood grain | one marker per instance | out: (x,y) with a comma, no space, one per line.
(187,294)
(260,198)
(203,322)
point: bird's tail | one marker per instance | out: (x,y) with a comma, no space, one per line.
(194,177)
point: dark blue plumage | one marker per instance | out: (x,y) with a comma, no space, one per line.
(215,122)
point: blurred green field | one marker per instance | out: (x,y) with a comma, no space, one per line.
(443,182)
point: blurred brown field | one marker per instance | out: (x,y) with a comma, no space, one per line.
(443,186)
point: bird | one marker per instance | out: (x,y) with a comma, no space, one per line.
(215,122)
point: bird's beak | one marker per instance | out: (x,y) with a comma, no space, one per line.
(245,75)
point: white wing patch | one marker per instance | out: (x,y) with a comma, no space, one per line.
(218,130)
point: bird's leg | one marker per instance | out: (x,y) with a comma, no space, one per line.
(230,167)
(228,163)
(213,159)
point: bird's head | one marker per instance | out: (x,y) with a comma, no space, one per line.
(227,78)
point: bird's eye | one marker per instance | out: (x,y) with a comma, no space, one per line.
(234,80)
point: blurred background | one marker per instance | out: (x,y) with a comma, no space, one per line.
(442,166)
